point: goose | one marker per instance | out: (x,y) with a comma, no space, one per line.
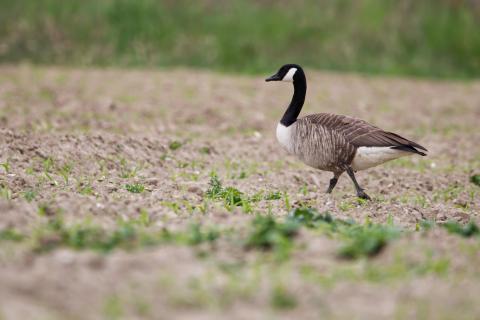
(332,142)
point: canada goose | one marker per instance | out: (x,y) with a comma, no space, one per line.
(333,142)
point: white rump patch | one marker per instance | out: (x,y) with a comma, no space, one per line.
(367,157)
(289,76)
(284,136)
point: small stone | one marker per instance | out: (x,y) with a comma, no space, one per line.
(461,217)
(196,190)
(441,216)
(153,181)
(418,215)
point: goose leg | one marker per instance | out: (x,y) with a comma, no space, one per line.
(360,192)
(333,181)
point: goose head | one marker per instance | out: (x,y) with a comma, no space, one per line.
(288,73)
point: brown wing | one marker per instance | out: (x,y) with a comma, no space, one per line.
(362,134)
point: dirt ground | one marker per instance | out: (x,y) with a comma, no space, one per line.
(72,139)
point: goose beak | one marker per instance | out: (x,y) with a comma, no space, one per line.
(275,77)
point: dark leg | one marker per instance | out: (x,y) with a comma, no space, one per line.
(360,192)
(333,181)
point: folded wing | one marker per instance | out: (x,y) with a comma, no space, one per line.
(362,134)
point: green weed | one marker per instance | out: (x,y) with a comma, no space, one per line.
(6,166)
(286,200)
(197,235)
(144,218)
(126,171)
(230,195)
(306,216)
(86,190)
(127,235)
(267,233)
(346,205)
(366,240)
(425,225)
(468,230)
(205,150)
(45,210)
(65,172)
(142,307)
(11,234)
(174,206)
(174,145)
(48,166)
(30,171)
(5,192)
(113,308)
(304,190)
(135,188)
(282,299)
(29,195)
(359,239)
(465,230)
(313,219)
(216,188)
(475,179)
(273,195)
(448,194)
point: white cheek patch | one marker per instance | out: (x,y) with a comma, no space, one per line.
(289,76)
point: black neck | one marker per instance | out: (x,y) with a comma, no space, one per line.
(299,92)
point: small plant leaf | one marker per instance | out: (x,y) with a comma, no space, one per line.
(134,188)
(174,145)
(475,179)
(468,230)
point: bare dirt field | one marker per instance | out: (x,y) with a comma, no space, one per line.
(130,194)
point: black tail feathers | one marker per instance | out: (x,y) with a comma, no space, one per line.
(412,149)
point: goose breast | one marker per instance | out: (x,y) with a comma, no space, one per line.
(316,145)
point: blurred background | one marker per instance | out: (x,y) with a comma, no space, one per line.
(428,38)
